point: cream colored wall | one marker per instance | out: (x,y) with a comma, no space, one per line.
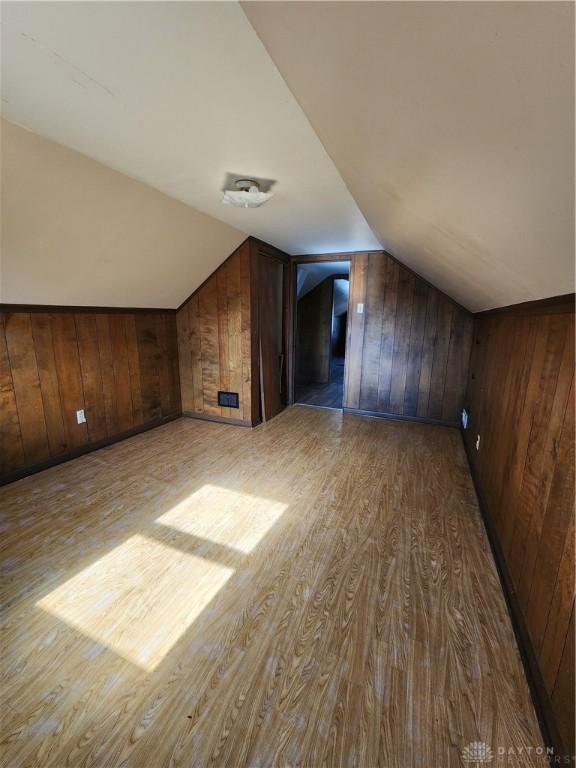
(76,232)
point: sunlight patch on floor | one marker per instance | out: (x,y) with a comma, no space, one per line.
(232,518)
(138,599)
(142,596)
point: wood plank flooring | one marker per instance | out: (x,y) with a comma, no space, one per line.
(318,591)
(328,395)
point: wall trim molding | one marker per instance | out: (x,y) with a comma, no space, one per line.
(20,474)
(553,305)
(540,699)
(399,417)
(52,308)
(217,419)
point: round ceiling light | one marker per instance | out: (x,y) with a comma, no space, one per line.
(246,195)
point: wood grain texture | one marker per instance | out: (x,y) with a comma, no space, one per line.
(318,591)
(408,352)
(314,334)
(53,364)
(271,333)
(521,402)
(214,341)
(220,330)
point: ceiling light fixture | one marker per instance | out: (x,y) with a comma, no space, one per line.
(246,195)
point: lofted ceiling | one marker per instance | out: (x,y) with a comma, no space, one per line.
(452,125)
(177,95)
(441,131)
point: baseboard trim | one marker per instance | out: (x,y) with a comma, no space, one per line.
(540,699)
(217,419)
(20,474)
(397,417)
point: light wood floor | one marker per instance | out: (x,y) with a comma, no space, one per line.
(318,591)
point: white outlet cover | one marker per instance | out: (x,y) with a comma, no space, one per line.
(360,309)
(80,417)
(477,442)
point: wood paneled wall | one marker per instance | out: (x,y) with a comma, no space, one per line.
(314,334)
(407,354)
(216,348)
(121,368)
(521,402)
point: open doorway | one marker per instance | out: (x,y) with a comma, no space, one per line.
(322,290)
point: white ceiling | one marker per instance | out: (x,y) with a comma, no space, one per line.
(177,95)
(452,124)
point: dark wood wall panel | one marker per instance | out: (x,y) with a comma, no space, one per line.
(408,352)
(521,402)
(117,367)
(314,334)
(214,341)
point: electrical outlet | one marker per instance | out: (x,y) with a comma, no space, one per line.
(477,442)
(80,417)
(360,309)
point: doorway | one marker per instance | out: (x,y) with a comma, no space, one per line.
(322,290)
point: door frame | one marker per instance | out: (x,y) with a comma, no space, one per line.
(259,249)
(292,305)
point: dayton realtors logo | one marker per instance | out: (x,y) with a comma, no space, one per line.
(477,753)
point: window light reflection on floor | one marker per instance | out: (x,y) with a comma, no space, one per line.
(141,597)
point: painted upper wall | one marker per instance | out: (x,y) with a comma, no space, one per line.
(452,124)
(75,232)
(178,95)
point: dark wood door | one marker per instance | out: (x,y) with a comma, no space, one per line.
(272,351)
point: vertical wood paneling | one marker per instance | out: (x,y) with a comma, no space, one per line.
(428,349)
(44,347)
(53,364)
(171,356)
(355,340)
(440,361)
(563,696)
(372,341)
(185,356)
(196,354)
(404,309)
(134,367)
(314,334)
(122,387)
(234,368)
(69,377)
(22,356)
(107,373)
(148,354)
(387,303)
(521,402)
(408,353)
(222,322)
(94,399)
(208,305)
(414,361)
(11,449)
(215,341)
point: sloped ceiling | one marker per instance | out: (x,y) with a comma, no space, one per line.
(440,131)
(452,124)
(75,232)
(176,95)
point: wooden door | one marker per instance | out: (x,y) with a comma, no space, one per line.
(272,351)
